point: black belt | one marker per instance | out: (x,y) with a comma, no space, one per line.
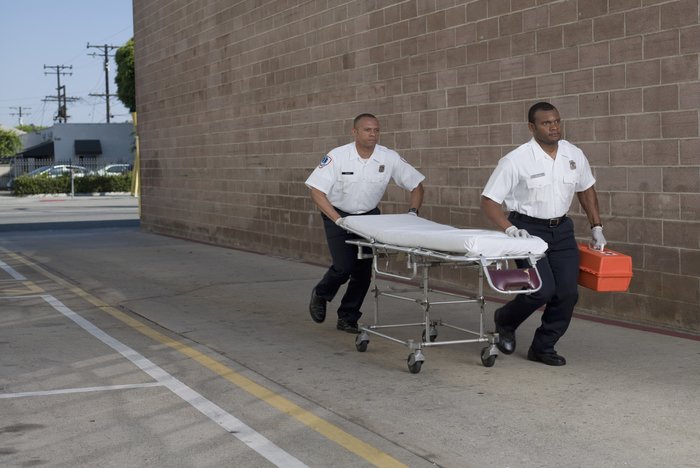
(552,222)
(345,213)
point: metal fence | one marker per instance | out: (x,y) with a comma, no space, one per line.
(20,166)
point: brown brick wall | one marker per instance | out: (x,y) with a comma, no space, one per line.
(238,103)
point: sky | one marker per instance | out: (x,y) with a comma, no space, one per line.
(34,33)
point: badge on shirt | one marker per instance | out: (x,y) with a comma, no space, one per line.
(535,176)
(325,161)
(381,168)
(572,165)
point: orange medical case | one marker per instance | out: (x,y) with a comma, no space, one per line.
(605,270)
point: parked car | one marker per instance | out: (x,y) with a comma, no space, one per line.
(59,170)
(55,171)
(115,169)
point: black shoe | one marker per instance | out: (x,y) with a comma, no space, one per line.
(350,327)
(317,307)
(506,339)
(551,359)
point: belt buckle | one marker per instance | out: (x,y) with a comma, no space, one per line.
(554,222)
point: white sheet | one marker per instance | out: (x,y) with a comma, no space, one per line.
(412,231)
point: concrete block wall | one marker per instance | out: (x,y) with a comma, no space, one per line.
(238,101)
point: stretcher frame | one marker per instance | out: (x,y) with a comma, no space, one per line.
(419,261)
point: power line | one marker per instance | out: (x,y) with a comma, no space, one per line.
(105,53)
(21,112)
(43,111)
(62,114)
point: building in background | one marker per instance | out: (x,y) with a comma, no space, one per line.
(238,103)
(91,145)
(81,143)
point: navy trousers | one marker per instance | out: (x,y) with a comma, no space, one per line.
(346,266)
(559,292)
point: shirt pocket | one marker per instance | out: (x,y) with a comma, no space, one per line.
(348,180)
(570,177)
(539,188)
(378,178)
(568,187)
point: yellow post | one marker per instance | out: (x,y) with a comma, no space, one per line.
(136,174)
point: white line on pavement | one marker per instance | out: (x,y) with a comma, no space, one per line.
(11,271)
(238,428)
(65,391)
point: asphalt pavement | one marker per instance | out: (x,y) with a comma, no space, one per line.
(119,347)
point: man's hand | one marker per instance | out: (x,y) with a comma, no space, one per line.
(340,222)
(513,231)
(598,239)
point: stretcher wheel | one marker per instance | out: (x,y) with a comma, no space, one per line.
(361,341)
(488,359)
(413,365)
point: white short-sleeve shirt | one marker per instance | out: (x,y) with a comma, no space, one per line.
(530,182)
(357,185)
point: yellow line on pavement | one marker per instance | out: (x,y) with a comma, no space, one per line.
(30,288)
(33,288)
(323,427)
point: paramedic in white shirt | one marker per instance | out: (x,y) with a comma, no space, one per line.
(537,182)
(350,181)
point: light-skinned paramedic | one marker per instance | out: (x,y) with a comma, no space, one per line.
(537,182)
(350,181)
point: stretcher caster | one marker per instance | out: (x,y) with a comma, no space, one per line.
(415,362)
(487,358)
(361,342)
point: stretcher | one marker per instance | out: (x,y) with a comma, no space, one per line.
(426,244)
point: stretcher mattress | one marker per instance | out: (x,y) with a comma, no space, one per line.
(410,231)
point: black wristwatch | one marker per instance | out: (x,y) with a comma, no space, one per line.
(596,225)
(413,210)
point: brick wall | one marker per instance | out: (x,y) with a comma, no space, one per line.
(238,101)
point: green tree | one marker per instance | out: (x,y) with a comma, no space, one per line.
(10,143)
(31,128)
(126,87)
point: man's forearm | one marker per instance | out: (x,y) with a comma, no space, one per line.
(589,202)
(417,197)
(323,204)
(494,213)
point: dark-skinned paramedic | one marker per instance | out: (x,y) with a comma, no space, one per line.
(350,181)
(537,182)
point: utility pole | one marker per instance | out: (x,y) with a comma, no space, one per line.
(20,112)
(62,115)
(105,53)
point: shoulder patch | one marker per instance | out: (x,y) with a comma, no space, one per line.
(325,161)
